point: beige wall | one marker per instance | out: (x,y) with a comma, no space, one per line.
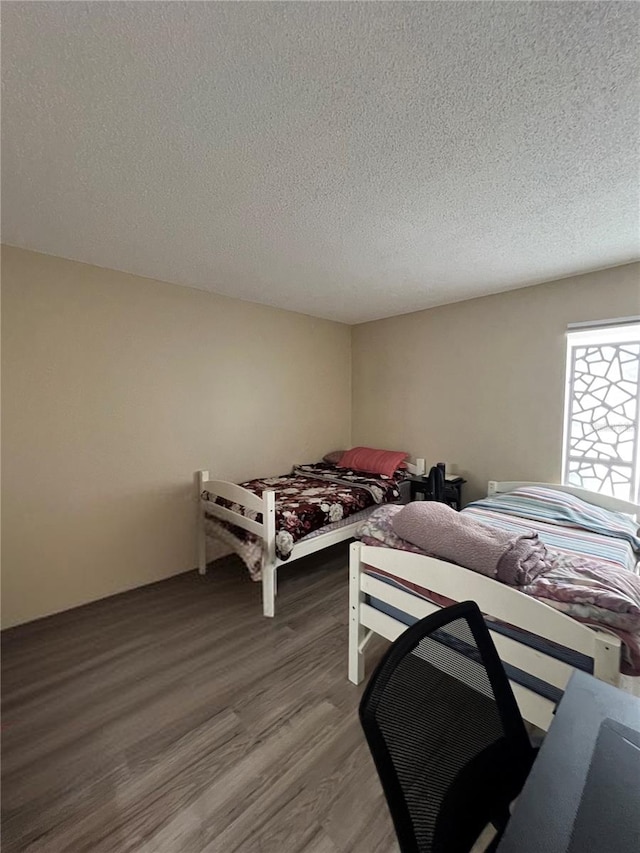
(115,390)
(481,383)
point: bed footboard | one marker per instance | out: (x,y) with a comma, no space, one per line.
(201,478)
(503,603)
(266,529)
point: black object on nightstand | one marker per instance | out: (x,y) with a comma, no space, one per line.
(419,486)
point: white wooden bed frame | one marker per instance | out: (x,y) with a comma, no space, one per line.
(500,601)
(266,505)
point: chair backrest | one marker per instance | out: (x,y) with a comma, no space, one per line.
(445,732)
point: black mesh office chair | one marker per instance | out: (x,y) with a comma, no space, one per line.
(445,733)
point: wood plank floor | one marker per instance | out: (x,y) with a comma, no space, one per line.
(175,718)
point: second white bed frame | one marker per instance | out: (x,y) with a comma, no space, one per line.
(494,598)
(266,530)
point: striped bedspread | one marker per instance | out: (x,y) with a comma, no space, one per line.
(567,540)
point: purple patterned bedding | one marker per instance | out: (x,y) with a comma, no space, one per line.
(595,592)
(311,497)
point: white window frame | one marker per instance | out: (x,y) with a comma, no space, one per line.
(585,334)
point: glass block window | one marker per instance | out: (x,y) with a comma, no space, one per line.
(602,411)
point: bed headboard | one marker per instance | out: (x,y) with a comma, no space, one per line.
(416,468)
(605,501)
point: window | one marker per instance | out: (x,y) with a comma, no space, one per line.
(602,410)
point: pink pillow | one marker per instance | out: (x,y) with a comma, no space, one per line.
(373,461)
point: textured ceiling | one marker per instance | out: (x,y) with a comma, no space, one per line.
(349,160)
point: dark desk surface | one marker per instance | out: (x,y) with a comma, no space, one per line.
(544,814)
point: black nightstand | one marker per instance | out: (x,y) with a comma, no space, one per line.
(452,490)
